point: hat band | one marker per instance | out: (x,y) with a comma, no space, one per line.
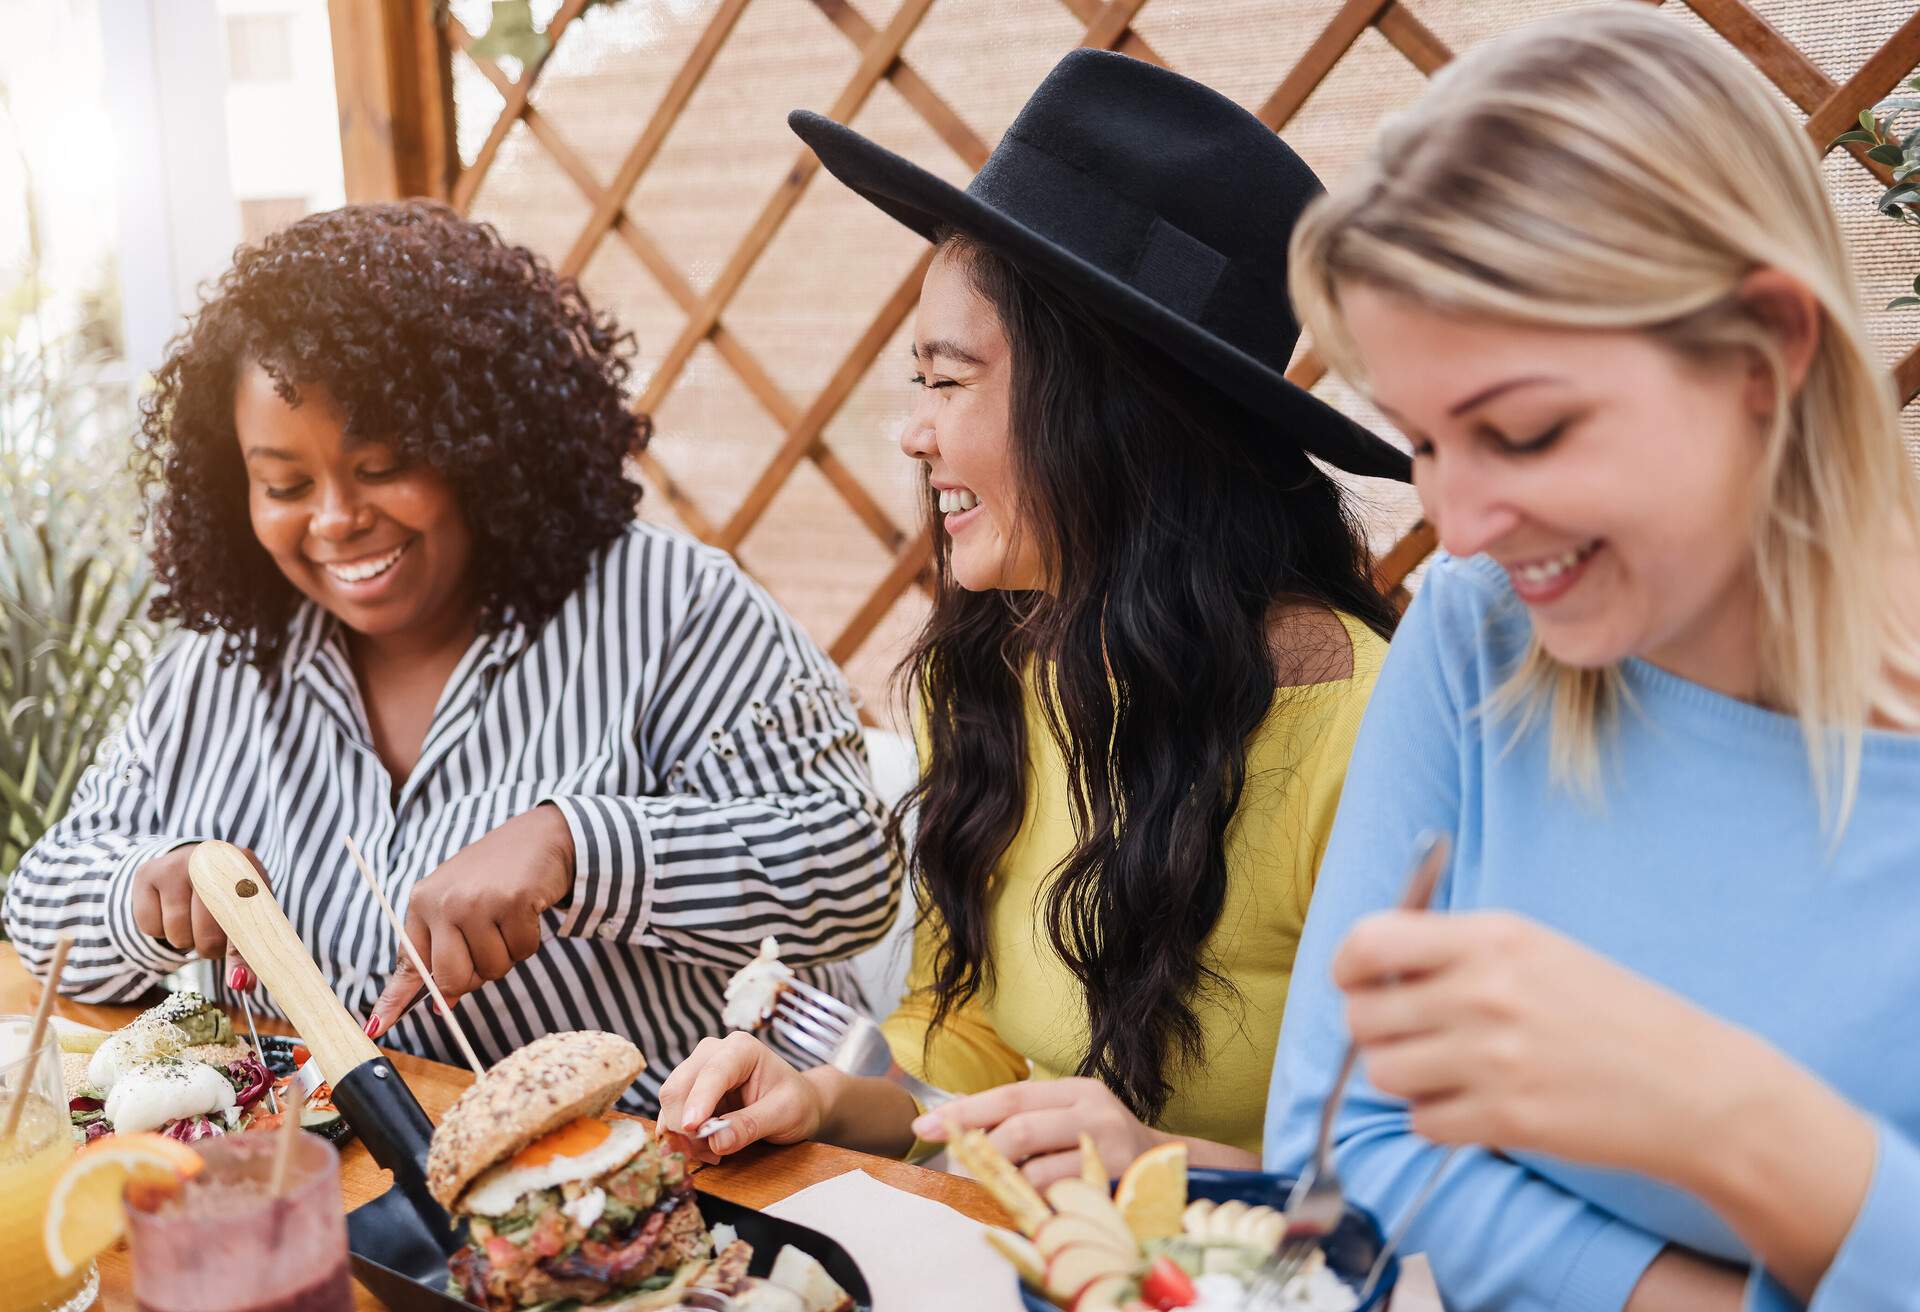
(1130,242)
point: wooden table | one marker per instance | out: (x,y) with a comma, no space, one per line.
(756,1177)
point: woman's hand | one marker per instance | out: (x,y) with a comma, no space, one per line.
(1501,1032)
(748,1083)
(1037,1125)
(166,907)
(478,916)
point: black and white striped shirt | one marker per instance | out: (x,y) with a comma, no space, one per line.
(704,751)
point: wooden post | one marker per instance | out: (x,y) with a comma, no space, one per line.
(395,90)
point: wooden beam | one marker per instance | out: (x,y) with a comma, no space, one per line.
(1354,17)
(1412,38)
(1112,28)
(907,567)
(659,124)
(1391,570)
(804,436)
(1764,44)
(1307,370)
(1878,76)
(939,115)
(469,182)
(1131,42)
(395,97)
(877,59)
(1906,376)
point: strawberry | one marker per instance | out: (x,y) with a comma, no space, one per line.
(1167,1286)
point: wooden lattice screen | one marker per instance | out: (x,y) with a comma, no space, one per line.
(397,64)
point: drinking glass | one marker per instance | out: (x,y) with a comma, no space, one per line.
(224,1243)
(41,1145)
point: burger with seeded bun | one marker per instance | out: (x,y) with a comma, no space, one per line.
(566,1205)
(561,1202)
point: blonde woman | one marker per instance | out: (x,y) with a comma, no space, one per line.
(1663,690)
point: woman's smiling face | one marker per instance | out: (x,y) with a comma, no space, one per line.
(960,427)
(1615,481)
(380,544)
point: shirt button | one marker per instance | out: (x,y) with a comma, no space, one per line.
(608,930)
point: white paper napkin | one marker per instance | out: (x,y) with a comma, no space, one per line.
(917,1255)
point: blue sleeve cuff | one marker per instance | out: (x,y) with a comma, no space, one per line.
(1878,1266)
(1607,1267)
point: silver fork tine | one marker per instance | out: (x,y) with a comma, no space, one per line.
(811,1022)
(810,1045)
(822,999)
(825,1019)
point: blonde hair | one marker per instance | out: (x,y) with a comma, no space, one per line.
(1611,170)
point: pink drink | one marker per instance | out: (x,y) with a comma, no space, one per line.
(224,1244)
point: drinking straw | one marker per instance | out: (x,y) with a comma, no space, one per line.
(413,955)
(283,1149)
(37,1035)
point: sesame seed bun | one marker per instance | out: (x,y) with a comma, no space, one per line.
(530,1093)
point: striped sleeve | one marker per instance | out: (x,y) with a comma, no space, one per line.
(767,823)
(78,879)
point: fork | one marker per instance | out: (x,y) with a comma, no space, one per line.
(1317,1202)
(826,1028)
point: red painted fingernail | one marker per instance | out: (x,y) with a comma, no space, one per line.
(437,1010)
(240,979)
(373,1027)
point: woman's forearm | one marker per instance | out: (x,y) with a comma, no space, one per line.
(867,1115)
(1790,1169)
(1679,1281)
(1219,1156)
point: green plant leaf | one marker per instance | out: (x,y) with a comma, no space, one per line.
(1887,155)
(1902,302)
(1867,122)
(1864,138)
(1898,103)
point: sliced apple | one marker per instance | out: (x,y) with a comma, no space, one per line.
(1063,1228)
(1107,1294)
(1075,1197)
(1019,1250)
(1076,1266)
(1092,1169)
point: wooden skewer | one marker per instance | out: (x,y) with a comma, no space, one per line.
(37,1035)
(283,1148)
(413,955)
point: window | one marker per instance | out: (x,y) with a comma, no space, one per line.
(259,48)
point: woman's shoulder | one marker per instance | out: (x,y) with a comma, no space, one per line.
(1465,618)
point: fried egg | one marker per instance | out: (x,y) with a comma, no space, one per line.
(148,1094)
(585,1149)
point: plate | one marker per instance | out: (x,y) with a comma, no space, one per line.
(1351,1249)
(277,1051)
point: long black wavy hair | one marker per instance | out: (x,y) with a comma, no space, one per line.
(460,351)
(1173,526)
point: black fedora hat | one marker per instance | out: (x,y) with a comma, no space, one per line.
(1157,200)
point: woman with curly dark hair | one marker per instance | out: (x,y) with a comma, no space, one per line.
(592,761)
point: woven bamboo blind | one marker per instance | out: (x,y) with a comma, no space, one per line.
(647,153)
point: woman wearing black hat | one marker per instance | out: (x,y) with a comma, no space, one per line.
(1152,641)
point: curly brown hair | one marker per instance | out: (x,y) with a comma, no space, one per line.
(433,335)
